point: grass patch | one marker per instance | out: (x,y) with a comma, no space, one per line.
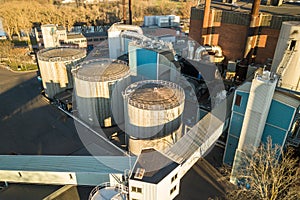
(21,66)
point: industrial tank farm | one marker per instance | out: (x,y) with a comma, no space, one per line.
(153,114)
(55,66)
(95,82)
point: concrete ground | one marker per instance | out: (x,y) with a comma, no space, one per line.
(202,181)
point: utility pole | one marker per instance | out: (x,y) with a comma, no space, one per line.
(205,23)
(253,32)
(124,11)
(130,12)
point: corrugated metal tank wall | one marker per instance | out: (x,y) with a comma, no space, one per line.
(55,66)
(286,61)
(153,114)
(95,84)
(260,98)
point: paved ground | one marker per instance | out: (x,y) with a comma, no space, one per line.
(29,125)
(203,180)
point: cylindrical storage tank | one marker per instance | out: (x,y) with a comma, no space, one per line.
(95,82)
(286,59)
(153,114)
(241,72)
(55,66)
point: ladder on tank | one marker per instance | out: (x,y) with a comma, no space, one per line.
(286,60)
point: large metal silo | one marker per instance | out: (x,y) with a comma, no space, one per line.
(286,61)
(95,83)
(153,114)
(55,66)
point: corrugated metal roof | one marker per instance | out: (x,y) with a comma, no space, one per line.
(98,164)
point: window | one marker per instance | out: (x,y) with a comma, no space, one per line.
(238,100)
(133,189)
(139,190)
(136,189)
(292,45)
(173,178)
(173,190)
(139,173)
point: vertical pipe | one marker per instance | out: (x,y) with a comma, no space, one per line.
(124,11)
(130,13)
(210,26)
(252,31)
(205,20)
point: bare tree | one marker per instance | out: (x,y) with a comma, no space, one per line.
(269,174)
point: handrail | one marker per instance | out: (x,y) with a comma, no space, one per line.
(119,187)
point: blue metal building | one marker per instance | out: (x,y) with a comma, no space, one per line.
(152,60)
(280,125)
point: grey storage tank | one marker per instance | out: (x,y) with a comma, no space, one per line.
(95,82)
(55,66)
(153,114)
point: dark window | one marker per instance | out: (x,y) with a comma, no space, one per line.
(173,190)
(292,45)
(133,189)
(173,178)
(238,100)
(136,189)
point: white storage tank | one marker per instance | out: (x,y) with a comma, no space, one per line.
(153,114)
(286,61)
(95,82)
(55,66)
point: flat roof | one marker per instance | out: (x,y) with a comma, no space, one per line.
(288,99)
(101,70)
(75,36)
(156,166)
(284,9)
(61,54)
(97,164)
(245,87)
(284,97)
(154,95)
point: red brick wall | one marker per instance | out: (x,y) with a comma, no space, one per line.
(267,44)
(195,30)
(232,39)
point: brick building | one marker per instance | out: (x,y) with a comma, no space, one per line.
(227,25)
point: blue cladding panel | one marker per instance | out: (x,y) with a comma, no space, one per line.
(277,135)
(231,146)
(236,123)
(126,42)
(280,115)
(202,113)
(147,63)
(243,104)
